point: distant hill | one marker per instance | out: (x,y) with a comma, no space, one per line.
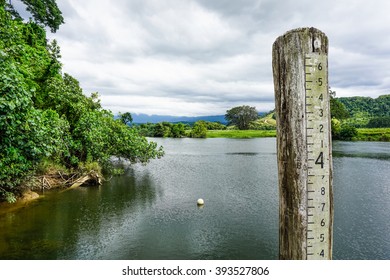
(367,111)
(265,122)
(374,107)
(143,118)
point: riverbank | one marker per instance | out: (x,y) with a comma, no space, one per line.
(373,134)
(52,179)
(364,134)
(240,133)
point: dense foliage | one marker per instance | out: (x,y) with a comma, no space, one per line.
(199,130)
(350,113)
(379,122)
(375,107)
(126,118)
(44,115)
(163,129)
(44,12)
(178,130)
(338,109)
(362,109)
(241,116)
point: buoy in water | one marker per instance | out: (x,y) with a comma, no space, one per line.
(200,201)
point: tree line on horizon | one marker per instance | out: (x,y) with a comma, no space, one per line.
(347,114)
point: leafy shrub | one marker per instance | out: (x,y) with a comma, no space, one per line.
(348,132)
(379,122)
(199,130)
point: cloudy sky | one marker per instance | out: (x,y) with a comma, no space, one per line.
(202,57)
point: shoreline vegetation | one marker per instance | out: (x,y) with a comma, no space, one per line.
(53,179)
(363,134)
(51,176)
(240,134)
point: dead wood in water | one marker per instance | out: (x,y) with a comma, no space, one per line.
(92,178)
(58,179)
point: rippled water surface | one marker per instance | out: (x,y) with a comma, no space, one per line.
(362,200)
(151,212)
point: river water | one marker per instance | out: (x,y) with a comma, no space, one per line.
(151,211)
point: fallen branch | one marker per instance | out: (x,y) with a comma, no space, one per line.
(93,177)
(44,180)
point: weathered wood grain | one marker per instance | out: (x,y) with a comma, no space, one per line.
(288,60)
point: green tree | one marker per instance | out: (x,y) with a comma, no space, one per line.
(27,134)
(348,132)
(337,109)
(379,122)
(336,128)
(178,130)
(241,116)
(199,130)
(146,129)
(126,118)
(374,107)
(162,129)
(215,126)
(98,137)
(45,12)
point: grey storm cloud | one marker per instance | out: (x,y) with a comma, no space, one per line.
(201,57)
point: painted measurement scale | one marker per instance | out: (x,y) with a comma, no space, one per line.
(318,157)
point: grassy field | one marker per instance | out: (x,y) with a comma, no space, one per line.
(373,134)
(240,133)
(364,134)
(265,123)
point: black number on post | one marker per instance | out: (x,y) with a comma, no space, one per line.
(321,97)
(321,128)
(323,190)
(321,113)
(323,206)
(320,81)
(322,223)
(322,254)
(319,66)
(320,160)
(322,237)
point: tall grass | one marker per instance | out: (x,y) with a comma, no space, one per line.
(373,134)
(364,134)
(240,133)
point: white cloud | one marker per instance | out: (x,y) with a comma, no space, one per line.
(184,26)
(199,57)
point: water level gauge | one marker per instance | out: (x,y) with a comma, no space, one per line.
(319,152)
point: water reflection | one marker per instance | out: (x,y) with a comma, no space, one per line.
(362,200)
(369,150)
(75,224)
(362,155)
(243,154)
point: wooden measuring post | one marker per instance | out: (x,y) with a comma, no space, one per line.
(304,151)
